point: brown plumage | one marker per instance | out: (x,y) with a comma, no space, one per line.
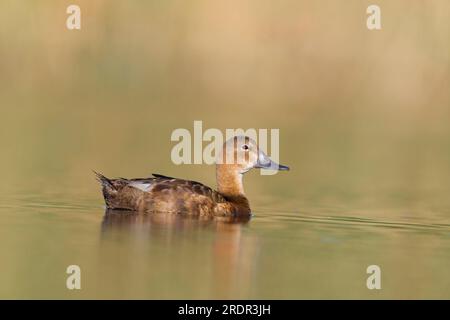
(165,194)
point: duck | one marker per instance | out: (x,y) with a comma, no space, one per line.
(164,194)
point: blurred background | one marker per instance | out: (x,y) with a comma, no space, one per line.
(363,118)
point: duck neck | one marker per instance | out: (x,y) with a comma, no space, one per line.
(229,181)
(229,184)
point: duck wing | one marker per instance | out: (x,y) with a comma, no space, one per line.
(165,178)
(157,175)
(162,182)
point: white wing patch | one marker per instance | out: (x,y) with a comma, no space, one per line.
(146,187)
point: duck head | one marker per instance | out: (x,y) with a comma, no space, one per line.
(239,155)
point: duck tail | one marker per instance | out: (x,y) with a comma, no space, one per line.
(109,189)
(107,183)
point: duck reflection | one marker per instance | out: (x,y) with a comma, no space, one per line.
(221,242)
(124,219)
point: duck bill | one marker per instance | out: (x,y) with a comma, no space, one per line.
(264,162)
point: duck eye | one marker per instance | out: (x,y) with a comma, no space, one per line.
(245,147)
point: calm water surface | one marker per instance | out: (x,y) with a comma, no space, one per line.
(311,252)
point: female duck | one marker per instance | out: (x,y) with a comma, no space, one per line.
(165,194)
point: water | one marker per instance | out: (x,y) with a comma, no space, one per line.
(316,252)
